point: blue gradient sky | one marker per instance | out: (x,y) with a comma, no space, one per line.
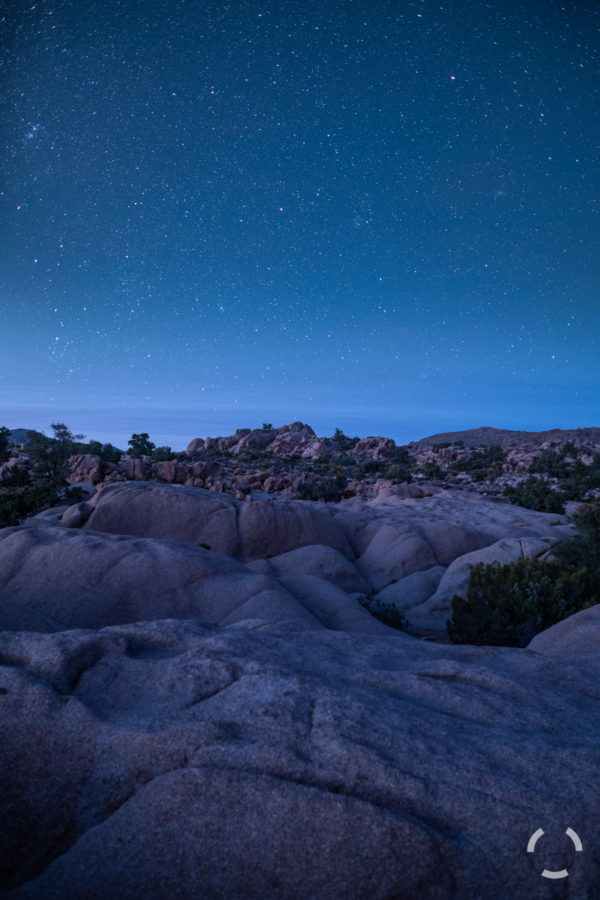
(375,216)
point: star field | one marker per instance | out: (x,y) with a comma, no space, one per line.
(378,216)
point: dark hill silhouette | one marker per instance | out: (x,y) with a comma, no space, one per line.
(486,436)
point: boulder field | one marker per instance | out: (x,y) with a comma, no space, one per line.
(194,704)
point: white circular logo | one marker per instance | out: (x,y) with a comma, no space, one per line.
(533,841)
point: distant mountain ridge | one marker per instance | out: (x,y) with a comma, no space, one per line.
(473,437)
(486,436)
(18,435)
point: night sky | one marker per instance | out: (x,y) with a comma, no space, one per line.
(378,216)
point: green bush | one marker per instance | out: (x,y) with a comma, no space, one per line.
(432,470)
(162,454)
(106,452)
(550,463)
(19,498)
(535,493)
(583,549)
(441,446)
(4,438)
(388,613)
(402,457)
(369,467)
(330,490)
(488,458)
(345,442)
(581,479)
(576,479)
(140,445)
(398,472)
(506,606)
(50,455)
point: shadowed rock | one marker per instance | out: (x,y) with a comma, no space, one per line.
(251,762)
(85,579)
(241,530)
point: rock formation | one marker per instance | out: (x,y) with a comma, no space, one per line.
(195,703)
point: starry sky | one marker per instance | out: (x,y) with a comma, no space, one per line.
(379,216)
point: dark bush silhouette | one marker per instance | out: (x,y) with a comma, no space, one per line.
(550,463)
(583,549)
(388,613)
(162,454)
(506,606)
(329,489)
(397,472)
(488,461)
(535,493)
(4,438)
(106,452)
(50,455)
(140,445)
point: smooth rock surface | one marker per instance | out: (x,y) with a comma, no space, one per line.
(86,579)
(241,530)
(414,589)
(250,762)
(579,634)
(14,617)
(324,562)
(333,607)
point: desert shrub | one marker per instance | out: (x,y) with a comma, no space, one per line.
(50,455)
(245,455)
(336,469)
(581,479)
(20,497)
(550,463)
(141,445)
(402,456)
(432,470)
(330,490)
(4,438)
(388,613)
(535,493)
(441,446)
(397,472)
(369,467)
(110,454)
(583,549)
(267,426)
(506,606)
(576,479)
(488,458)
(345,442)
(106,452)
(480,474)
(162,454)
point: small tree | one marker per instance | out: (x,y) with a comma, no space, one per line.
(4,451)
(51,454)
(141,445)
(267,426)
(162,454)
